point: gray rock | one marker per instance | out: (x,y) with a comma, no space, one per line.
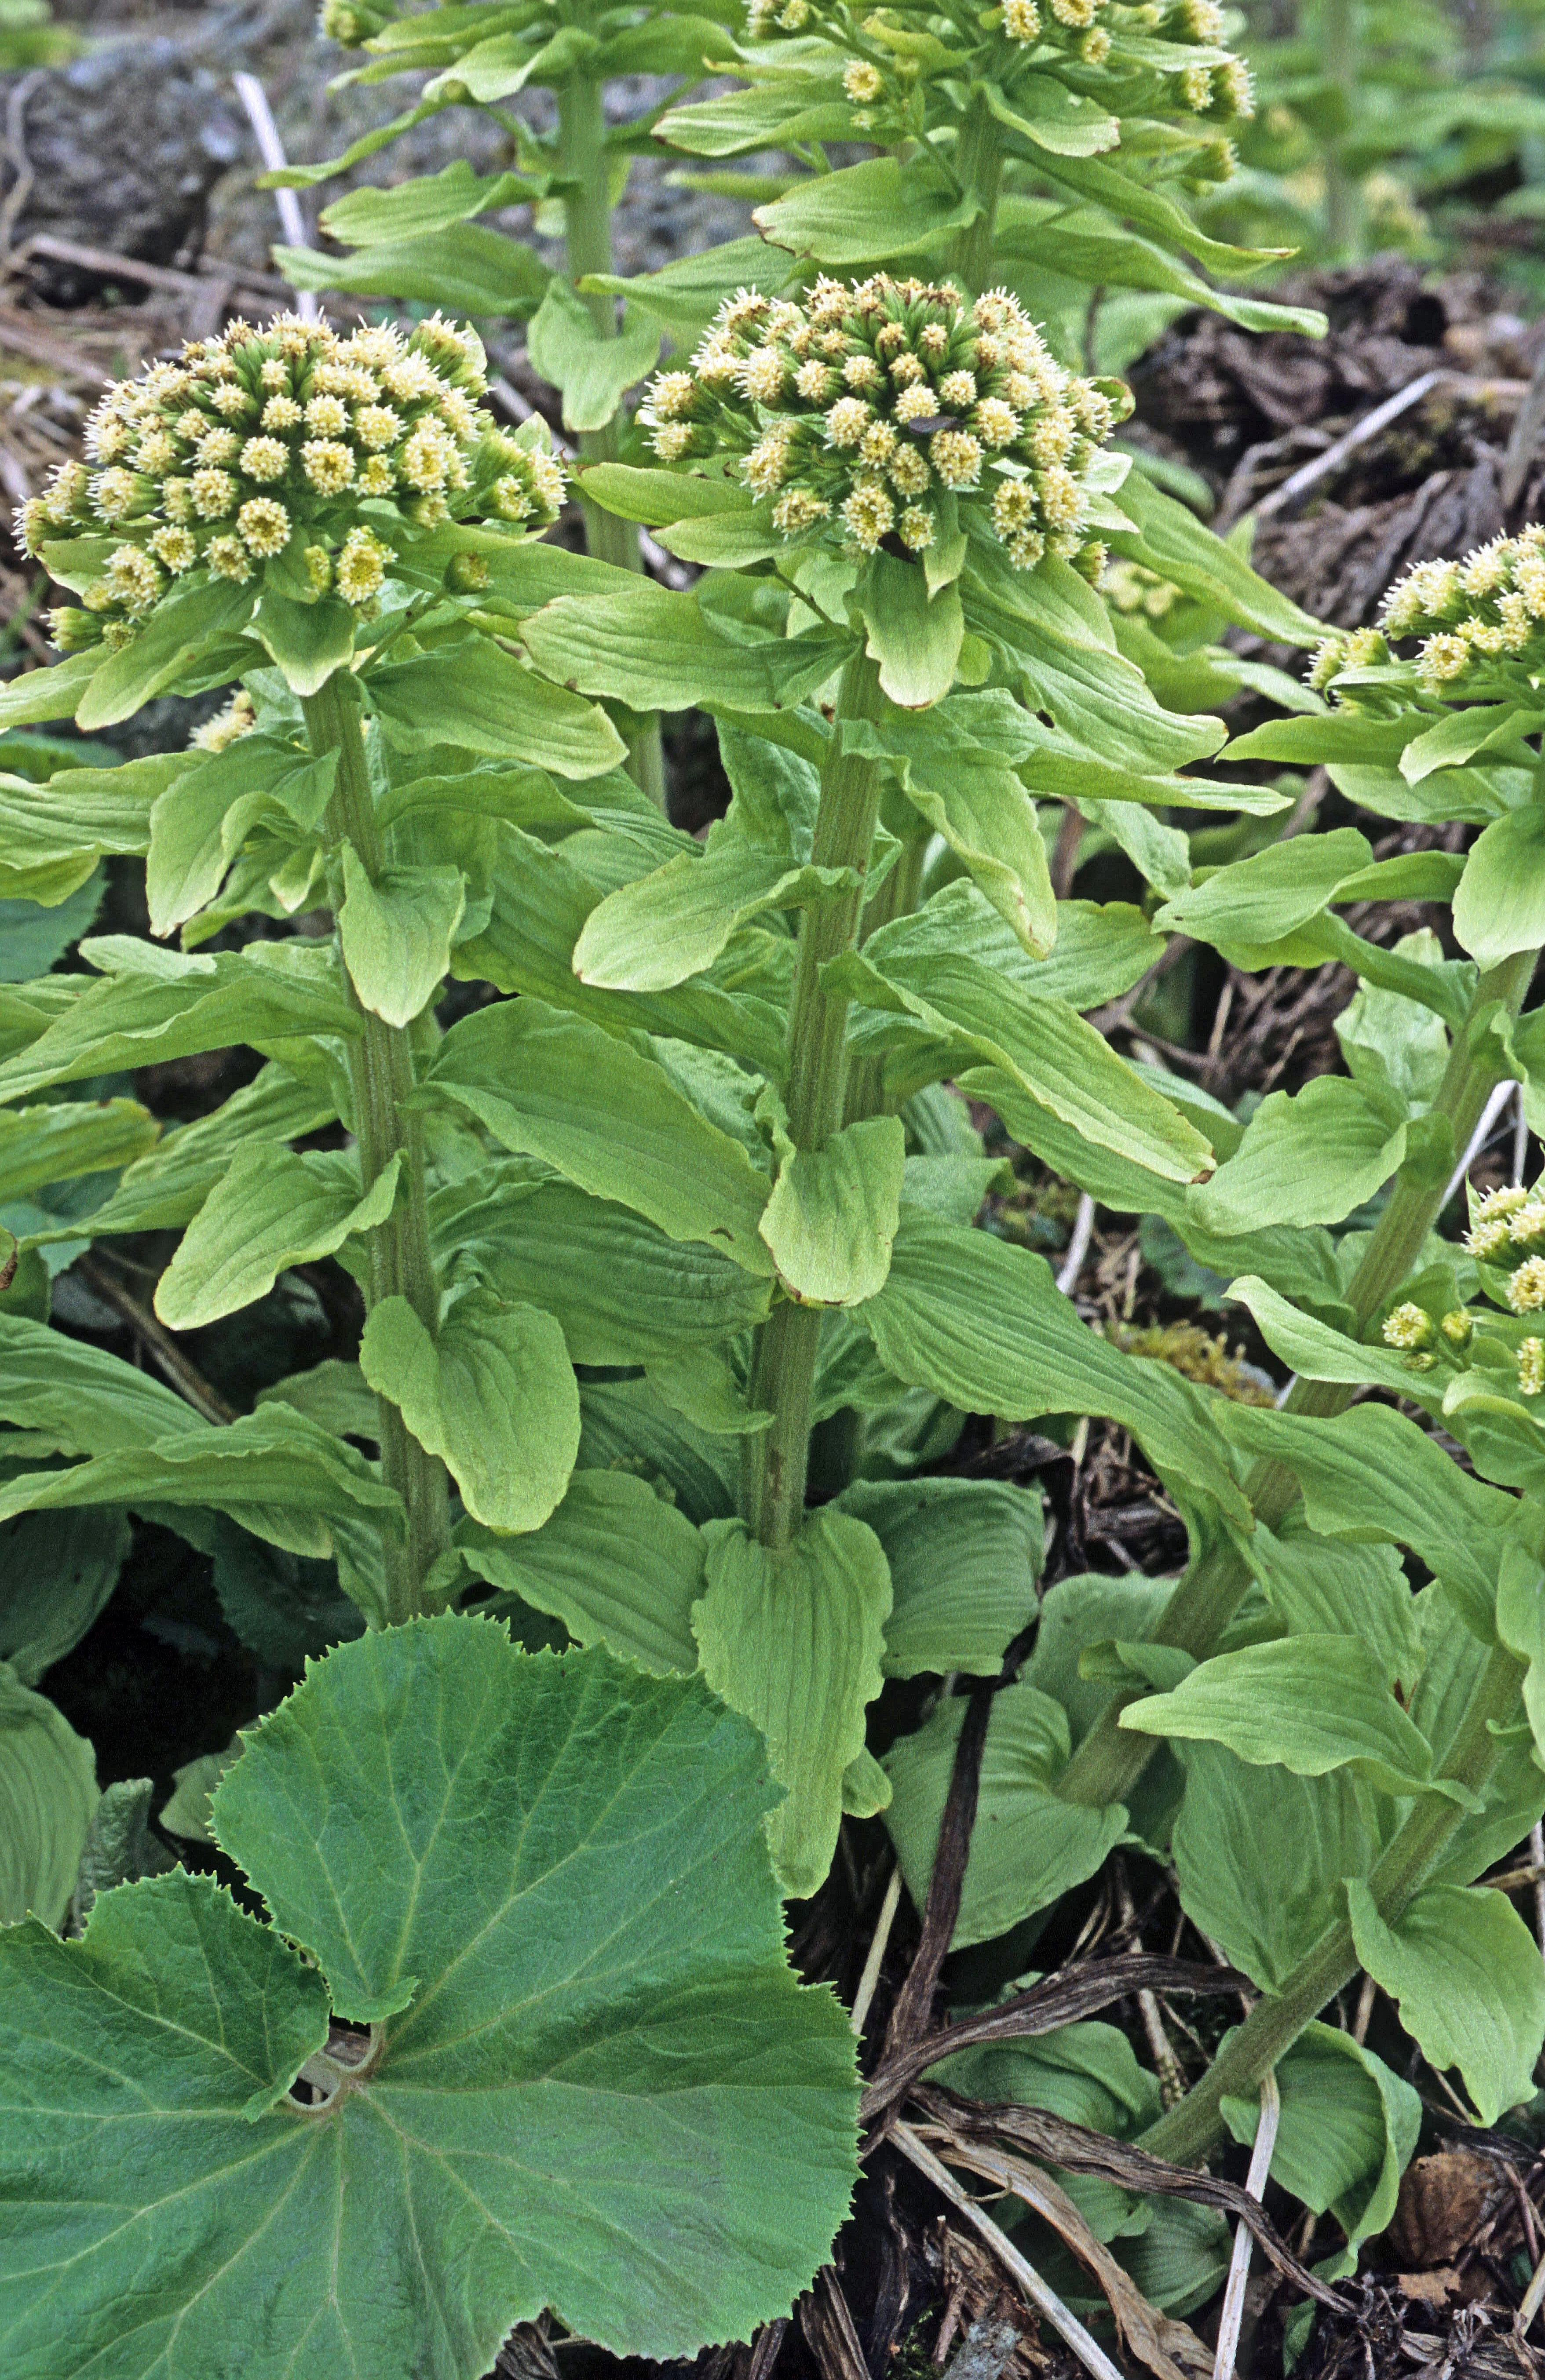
(123,148)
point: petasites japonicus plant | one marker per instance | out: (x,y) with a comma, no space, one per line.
(1087,124)
(334,524)
(907,495)
(1290,1662)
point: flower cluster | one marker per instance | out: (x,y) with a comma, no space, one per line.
(290,441)
(1479,624)
(1075,37)
(1411,1330)
(1507,1230)
(871,404)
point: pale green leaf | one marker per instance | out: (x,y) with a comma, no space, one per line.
(833,1212)
(555,1086)
(793,1638)
(270,1210)
(427,203)
(40,1145)
(1318,1586)
(915,635)
(856,216)
(1499,906)
(83,1399)
(658,931)
(396,933)
(1372,1476)
(1170,541)
(56,1577)
(1306,1703)
(50,693)
(658,651)
(1260,1852)
(1050,116)
(199,822)
(473,1849)
(541,903)
(615,1563)
(141,1018)
(1048,1051)
(982,1325)
(1307,1156)
(1097,951)
(476,696)
(1028,1847)
(185,1811)
(164,1189)
(1465,1973)
(308,642)
(957,767)
(492,1392)
(623,1292)
(592,368)
(467,266)
(178,633)
(1316,1351)
(274,1471)
(964,1556)
(1346,2132)
(48,1792)
(56,832)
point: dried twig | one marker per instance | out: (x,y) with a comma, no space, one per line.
(1171,2349)
(1058,1999)
(1040,2294)
(871,1976)
(158,1343)
(915,2001)
(270,149)
(1077,1246)
(1232,2315)
(1053,2140)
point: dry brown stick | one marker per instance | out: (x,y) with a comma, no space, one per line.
(1040,2293)
(1053,2141)
(158,1343)
(1058,1999)
(826,2320)
(914,2003)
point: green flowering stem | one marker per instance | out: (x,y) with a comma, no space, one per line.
(1195,2126)
(783,1377)
(979,167)
(1110,1760)
(381,1069)
(583,161)
(1338,58)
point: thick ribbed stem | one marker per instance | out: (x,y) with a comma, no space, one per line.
(1194,2128)
(774,1461)
(1109,1762)
(978,166)
(381,1070)
(587,248)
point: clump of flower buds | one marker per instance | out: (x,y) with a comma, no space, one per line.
(863,410)
(236,718)
(290,445)
(1507,1230)
(1083,36)
(1479,624)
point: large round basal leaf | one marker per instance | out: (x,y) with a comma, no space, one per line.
(596,2085)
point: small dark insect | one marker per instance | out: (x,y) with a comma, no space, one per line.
(926,427)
